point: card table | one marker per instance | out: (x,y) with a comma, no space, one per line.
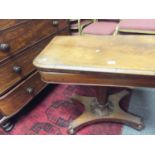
(117,61)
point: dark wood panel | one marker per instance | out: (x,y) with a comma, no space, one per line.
(8,77)
(118,80)
(63,24)
(25,35)
(64,32)
(7,23)
(16,99)
(26,40)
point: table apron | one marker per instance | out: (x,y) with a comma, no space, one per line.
(117,80)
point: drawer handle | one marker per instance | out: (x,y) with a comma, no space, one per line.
(4,47)
(55,22)
(17,69)
(29,90)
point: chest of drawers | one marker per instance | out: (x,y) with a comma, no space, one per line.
(20,42)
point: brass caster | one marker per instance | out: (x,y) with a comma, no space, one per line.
(8,126)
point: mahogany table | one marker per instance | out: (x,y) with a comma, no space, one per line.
(120,61)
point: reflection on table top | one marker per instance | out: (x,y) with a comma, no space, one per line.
(124,54)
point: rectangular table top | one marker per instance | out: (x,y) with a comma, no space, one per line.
(124,54)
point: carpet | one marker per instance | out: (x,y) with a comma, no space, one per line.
(52,111)
(142,103)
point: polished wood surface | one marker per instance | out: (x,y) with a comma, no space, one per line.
(14,100)
(20,42)
(26,34)
(103,79)
(9,77)
(7,23)
(119,61)
(65,32)
(63,23)
(133,55)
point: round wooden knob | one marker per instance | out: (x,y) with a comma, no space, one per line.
(17,69)
(4,47)
(55,22)
(29,90)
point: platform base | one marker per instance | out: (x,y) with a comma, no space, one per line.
(95,112)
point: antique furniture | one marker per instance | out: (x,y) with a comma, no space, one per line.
(140,26)
(76,25)
(120,61)
(100,28)
(20,42)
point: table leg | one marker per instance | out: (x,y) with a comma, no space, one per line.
(108,110)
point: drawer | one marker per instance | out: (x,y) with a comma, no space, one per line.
(7,23)
(19,67)
(17,98)
(12,41)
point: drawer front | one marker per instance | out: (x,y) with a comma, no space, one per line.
(21,66)
(7,23)
(21,95)
(14,40)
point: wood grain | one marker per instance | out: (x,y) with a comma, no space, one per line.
(16,99)
(133,55)
(26,35)
(102,79)
(8,78)
(64,32)
(8,23)
(63,23)
(26,40)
